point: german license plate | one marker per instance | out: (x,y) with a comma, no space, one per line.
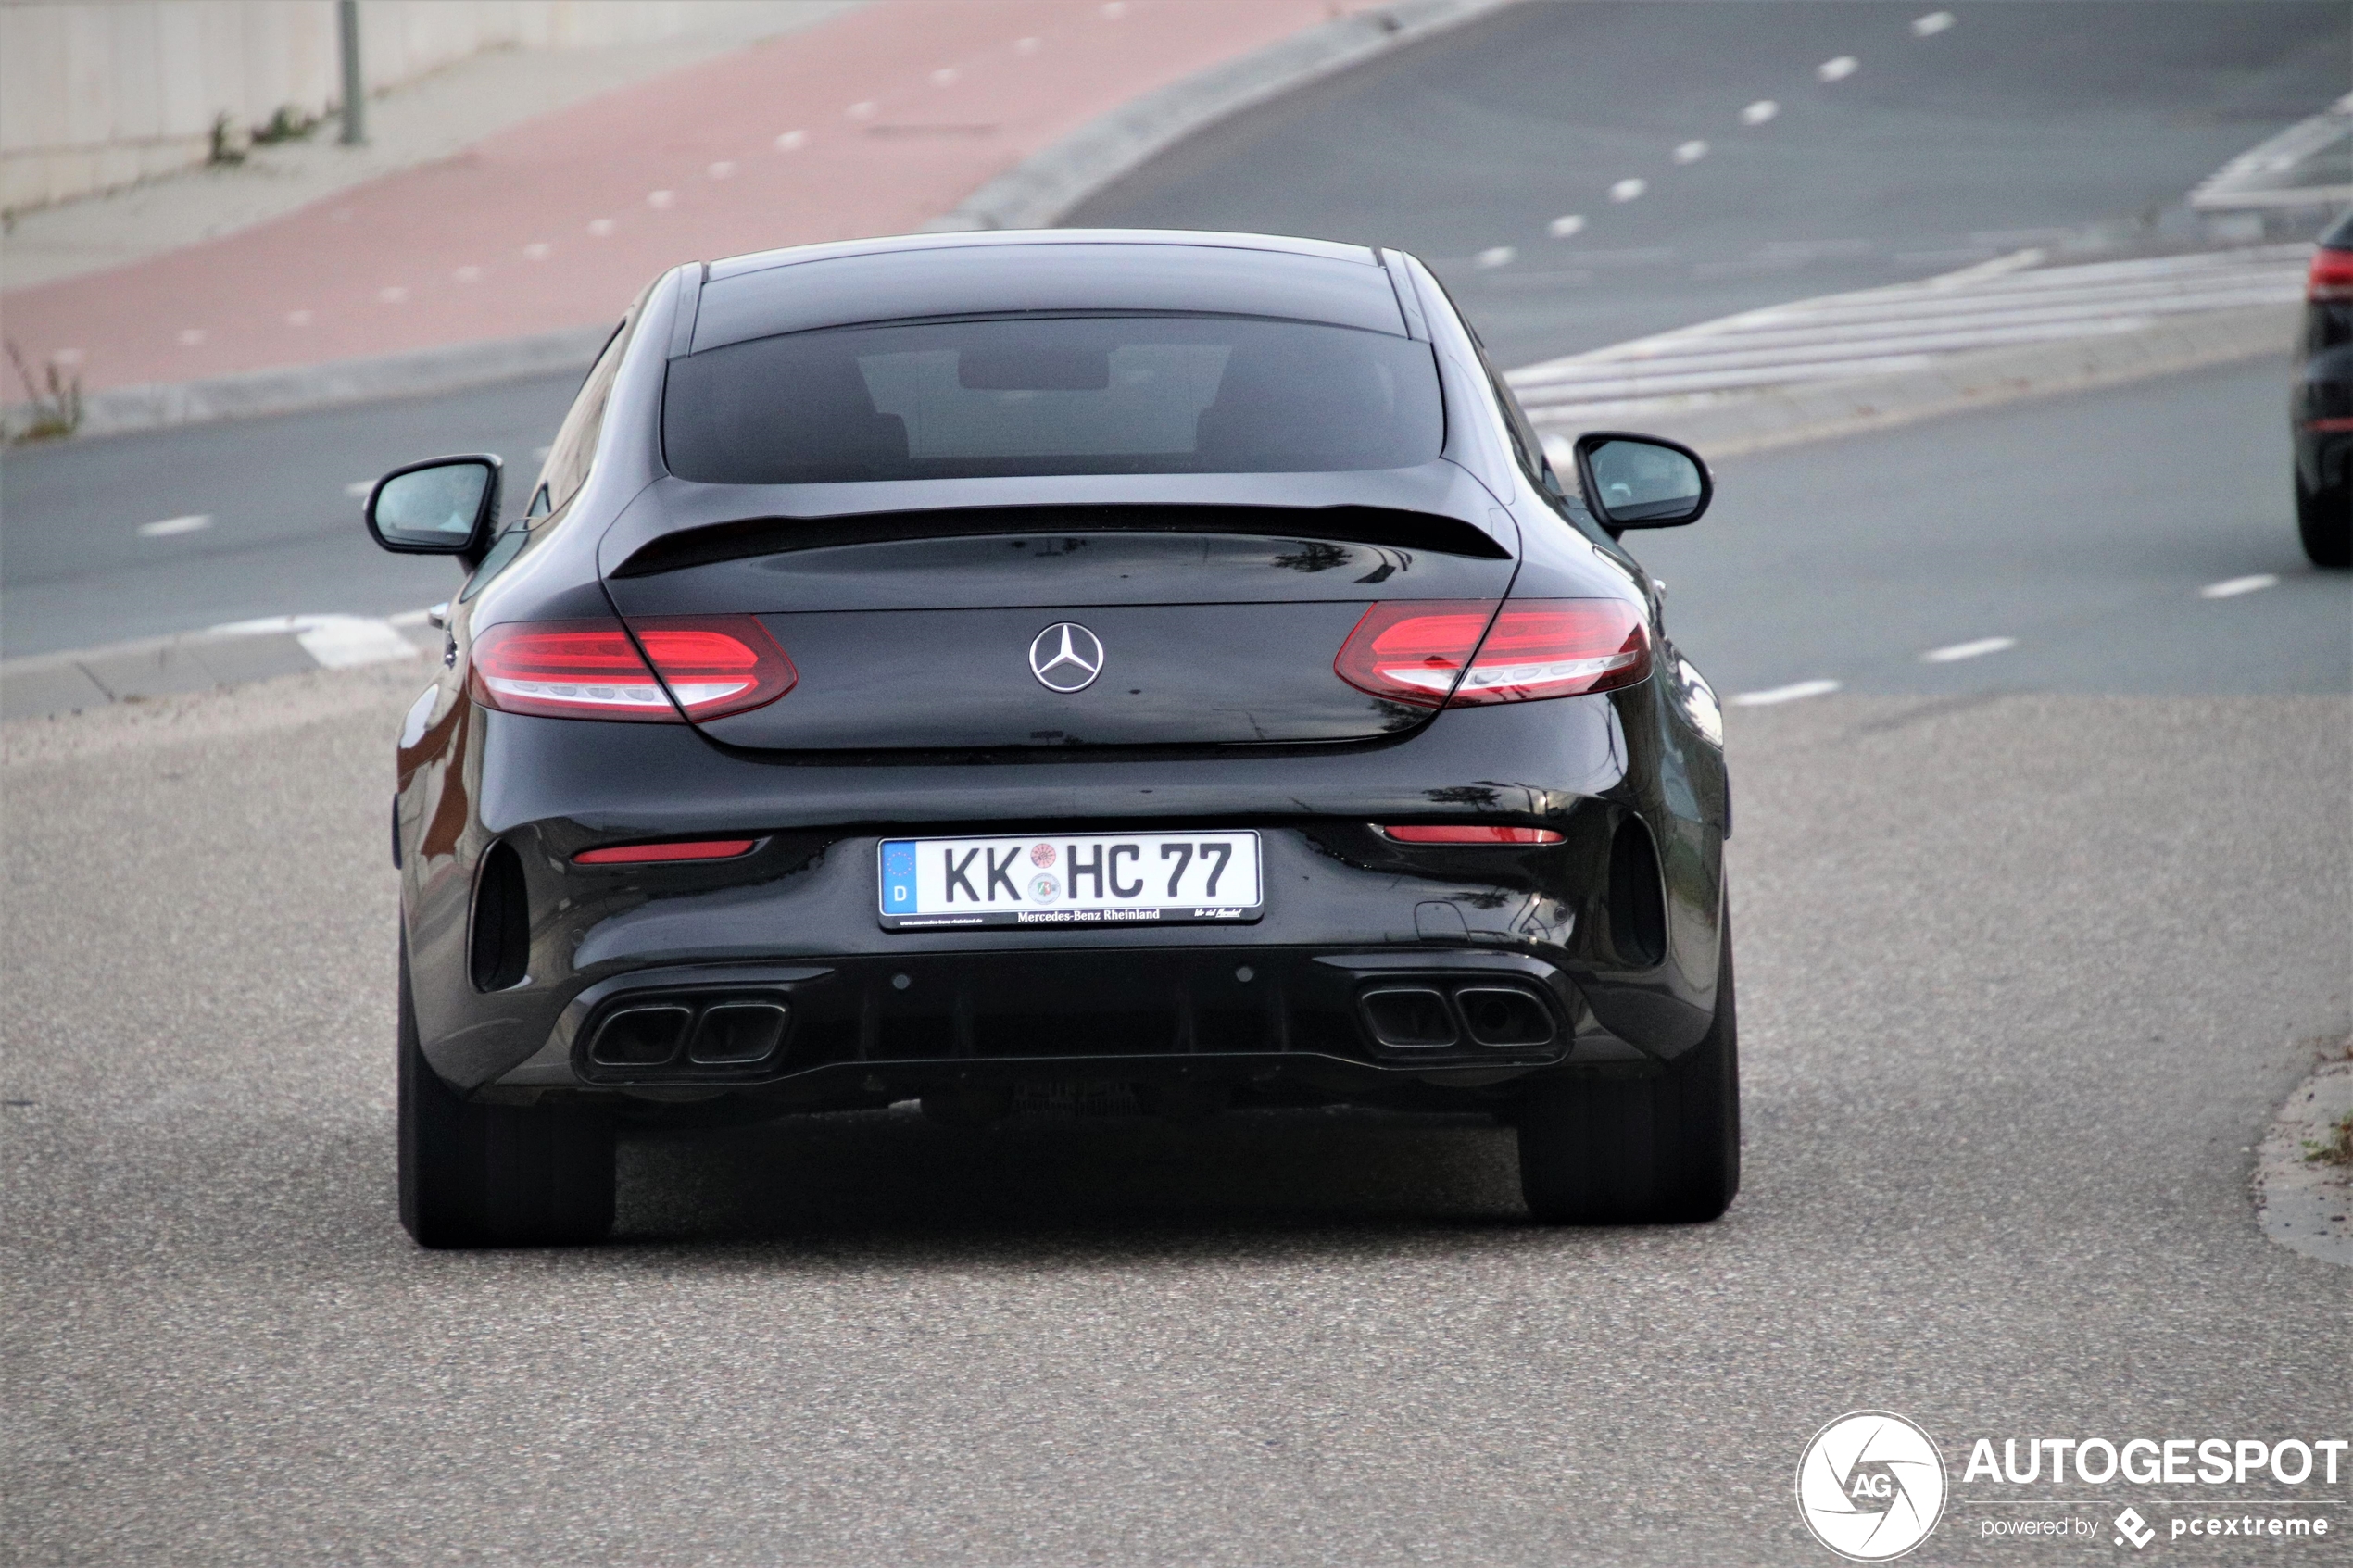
(1070,879)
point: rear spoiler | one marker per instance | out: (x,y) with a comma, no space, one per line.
(1396,527)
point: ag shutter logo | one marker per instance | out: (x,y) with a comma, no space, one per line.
(1870,1486)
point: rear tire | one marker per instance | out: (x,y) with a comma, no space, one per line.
(1659,1151)
(494,1176)
(2324,520)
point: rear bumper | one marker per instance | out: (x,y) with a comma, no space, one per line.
(793,926)
(888,1026)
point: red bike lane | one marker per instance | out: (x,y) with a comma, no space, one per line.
(872,123)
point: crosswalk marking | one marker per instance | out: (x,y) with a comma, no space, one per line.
(2011,301)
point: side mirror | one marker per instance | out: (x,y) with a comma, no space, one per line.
(1641,481)
(441,507)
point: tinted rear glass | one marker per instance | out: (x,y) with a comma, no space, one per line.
(1053,395)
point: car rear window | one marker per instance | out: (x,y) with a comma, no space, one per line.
(1052,396)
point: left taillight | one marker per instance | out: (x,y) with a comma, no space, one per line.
(712,665)
(2331,279)
(1462,654)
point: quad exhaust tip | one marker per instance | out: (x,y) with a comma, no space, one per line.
(727,1035)
(1429,1018)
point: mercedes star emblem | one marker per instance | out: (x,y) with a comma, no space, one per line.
(1067,657)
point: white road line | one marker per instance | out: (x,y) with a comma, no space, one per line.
(1691,151)
(660,200)
(359,487)
(171,525)
(1931,24)
(1837,69)
(1627,190)
(792,140)
(1759,112)
(1775,695)
(1977,649)
(1567,223)
(1496,256)
(2229,588)
(602,227)
(334,642)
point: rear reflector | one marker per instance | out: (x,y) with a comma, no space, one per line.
(1470,833)
(567,670)
(2331,277)
(1421,654)
(649,854)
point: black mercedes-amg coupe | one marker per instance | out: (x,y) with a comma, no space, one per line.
(1159,668)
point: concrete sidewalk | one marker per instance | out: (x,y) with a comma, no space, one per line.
(873,121)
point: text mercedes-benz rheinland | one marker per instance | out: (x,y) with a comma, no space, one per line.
(965,667)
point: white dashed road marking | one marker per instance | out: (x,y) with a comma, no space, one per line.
(1690,152)
(1759,112)
(1774,694)
(792,140)
(172,525)
(1931,24)
(1627,190)
(1977,649)
(1497,256)
(1564,225)
(1838,69)
(359,487)
(2229,587)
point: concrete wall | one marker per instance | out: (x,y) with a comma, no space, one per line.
(94,95)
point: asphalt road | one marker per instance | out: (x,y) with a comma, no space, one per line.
(281,533)
(2078,127)
(2063,125)
(2022,983)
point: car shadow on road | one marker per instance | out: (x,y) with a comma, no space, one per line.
(893,1181)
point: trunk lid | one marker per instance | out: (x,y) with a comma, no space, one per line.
(1063,627)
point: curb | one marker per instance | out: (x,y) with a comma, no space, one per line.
(46,685)
(2303,1205)
(1031,195)
(296,389)
(1037,193)
(1756,422)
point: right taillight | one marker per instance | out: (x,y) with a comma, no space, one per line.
(1558,647)
(2331,277)
(1460,654)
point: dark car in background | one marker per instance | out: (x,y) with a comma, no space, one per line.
(2321,405)
(958,667)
